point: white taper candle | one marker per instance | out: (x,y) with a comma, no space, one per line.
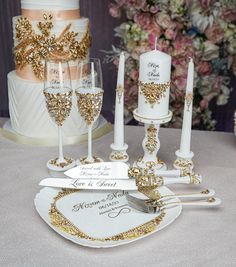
(119,107)
(185,144)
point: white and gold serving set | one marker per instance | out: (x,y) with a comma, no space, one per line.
(127,203)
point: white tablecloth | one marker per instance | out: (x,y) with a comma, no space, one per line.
(199,237)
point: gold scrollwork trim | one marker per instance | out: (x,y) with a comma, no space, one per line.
(183,163)
(118,155)
(59,221)
(149,181)
(35,47)
(67,162)
(153,92)
(84,160)
(195,179)
(151,143)
(153,194)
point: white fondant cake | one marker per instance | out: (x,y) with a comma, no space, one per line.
(154,84)
(27,107)
(29,115)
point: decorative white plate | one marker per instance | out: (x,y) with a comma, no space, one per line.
(100,219)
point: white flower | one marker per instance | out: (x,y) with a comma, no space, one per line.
(211,51)
(199,19)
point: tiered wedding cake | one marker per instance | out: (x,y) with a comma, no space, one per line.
(46,28)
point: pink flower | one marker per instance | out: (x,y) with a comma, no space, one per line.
(179,79)
(206,3)
(229,14)
(183,46)
(152,37)
(134,74)
(114,11)
(144,20)
(138,4)
(163,45)
(164,21)
(170,34)
(204,68)
(215,33)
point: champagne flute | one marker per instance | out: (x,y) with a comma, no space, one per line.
(89,94)
(58,95)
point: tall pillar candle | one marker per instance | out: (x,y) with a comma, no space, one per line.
(185,144)
(154,84)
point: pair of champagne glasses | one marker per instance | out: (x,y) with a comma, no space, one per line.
(58,94)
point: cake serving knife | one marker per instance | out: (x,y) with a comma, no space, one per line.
(142,182)
(111,170)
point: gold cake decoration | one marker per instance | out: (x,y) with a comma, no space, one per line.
(34,47)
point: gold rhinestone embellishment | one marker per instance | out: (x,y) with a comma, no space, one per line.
(153,92)
(61,222)
(89,105)
(118,156)
(183,163)
(151,143)
(59,106)
(34,48)
(149,181)
(67,162)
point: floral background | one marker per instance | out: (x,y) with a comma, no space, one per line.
(204,30)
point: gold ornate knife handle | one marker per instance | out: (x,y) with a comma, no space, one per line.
(152,181)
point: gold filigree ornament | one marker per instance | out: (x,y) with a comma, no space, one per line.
(149,181)
(119,91)
(184,163)
(84,160)
(153,92)
(33,48)
(59,105)
(59,221)
(151,143)
(118,155)
(189,100)
(67,162)
(89,105)
(195,179)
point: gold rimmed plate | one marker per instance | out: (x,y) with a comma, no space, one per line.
(100,219)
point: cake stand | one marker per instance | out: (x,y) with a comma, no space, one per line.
(151,142)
